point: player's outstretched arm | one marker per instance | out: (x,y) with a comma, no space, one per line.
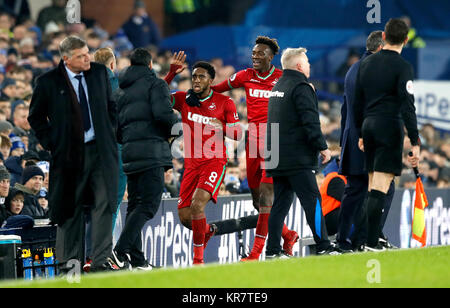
(177,65)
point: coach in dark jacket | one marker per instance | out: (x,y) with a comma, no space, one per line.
(145,122)
(75,118)
(293,109)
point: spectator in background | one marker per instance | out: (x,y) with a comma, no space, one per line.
(6,23)
(428,135)
(32,178)
(414,40)
(182,14)
(17,8)
(4,184)
(5,147)
(15,201)
(13,207)
(16,164)
(42,200)
(408,180)
(140,28)
(5,128)
(45,167)
(8,88)
(5,105)
(123,63)
(20,118)
(55,13)
(243,188)
(18,147)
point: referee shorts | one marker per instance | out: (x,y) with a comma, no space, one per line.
(383,144)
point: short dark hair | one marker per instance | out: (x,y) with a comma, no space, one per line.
(140,56)
(396,31)
(208,67)
(374,41)
(271,42)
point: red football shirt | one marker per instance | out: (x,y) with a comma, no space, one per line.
(202,142)
(258,88)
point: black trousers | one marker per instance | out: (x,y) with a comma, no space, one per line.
(353,213)
(70,236)
(145,190)
(304,184)
(332,221)
(353,220)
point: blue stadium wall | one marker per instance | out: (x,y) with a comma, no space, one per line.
(431,16)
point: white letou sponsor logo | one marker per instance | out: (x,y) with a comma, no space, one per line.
(199,118)
(265,94)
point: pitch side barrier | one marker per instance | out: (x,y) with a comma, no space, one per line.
(169,244)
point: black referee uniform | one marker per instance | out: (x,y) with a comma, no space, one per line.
(384,92)
(293,107)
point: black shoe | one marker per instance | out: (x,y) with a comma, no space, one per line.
(343,250)
(331,251)
(385,243)
(281,255)
(377,248)
(122,261)
(360,248)
(108,266)
(145,267)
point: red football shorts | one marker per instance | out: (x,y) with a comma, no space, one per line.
(256,174)
(208,177)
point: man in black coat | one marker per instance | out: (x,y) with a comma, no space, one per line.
(145,122)
(74,117)
(294,125)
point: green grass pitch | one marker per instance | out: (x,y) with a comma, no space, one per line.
(429,268)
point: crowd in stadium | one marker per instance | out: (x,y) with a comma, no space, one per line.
(30,47)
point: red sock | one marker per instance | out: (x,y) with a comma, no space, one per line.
(261,233)
(284,231)
(198,229)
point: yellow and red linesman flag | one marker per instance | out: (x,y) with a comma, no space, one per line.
(419,232)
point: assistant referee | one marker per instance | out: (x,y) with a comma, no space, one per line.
(384,91)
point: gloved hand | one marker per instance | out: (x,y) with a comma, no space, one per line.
(192,99)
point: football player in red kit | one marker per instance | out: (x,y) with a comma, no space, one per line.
(206,122)
(258,83)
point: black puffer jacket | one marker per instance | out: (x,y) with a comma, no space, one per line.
(293,107)
(145,120)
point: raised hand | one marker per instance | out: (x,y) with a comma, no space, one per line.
(178,62)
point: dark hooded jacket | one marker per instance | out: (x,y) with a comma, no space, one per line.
(145,120)
(14,166)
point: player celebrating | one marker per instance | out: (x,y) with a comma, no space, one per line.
(205,119)
(258,83)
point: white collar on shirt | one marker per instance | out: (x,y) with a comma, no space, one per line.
(72,74)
